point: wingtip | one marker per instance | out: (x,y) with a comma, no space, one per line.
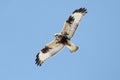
(38,62)
(82,10)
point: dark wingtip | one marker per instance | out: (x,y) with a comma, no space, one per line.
(38,61)
(82,10)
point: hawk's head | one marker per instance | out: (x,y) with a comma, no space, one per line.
(58,36)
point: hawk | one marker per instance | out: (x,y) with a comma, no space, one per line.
(63,38)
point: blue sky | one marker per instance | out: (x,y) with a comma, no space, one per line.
(27,25)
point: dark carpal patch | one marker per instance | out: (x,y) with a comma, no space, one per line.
(45,49)
(82,10)
(70,20)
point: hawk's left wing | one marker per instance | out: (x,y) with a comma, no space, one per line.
(48,51)
(72,22)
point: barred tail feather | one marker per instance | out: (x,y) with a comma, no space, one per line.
(71,46)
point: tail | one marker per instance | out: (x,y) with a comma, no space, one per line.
(71,46)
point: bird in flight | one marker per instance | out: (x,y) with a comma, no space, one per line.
(63,38)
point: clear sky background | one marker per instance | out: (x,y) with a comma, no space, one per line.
(27,25)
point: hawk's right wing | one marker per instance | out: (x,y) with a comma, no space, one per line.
(72,22)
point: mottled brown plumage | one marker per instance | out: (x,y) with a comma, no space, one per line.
(63,38)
